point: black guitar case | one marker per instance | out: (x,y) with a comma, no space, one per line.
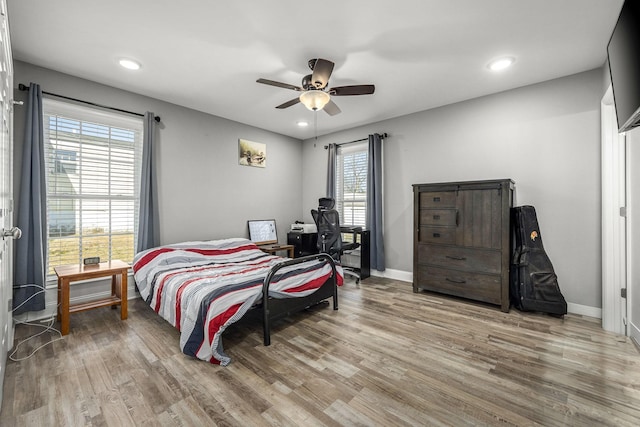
(534,284)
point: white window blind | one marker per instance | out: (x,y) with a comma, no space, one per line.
(93,160)
(351,183)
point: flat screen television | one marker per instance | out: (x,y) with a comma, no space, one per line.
(623,52)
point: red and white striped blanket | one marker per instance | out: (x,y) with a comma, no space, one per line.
(203,287)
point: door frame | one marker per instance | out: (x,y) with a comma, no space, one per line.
(615,309)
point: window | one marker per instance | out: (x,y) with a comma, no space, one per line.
(65,161)
(93,160)
(351,183)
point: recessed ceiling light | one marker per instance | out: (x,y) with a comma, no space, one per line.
(501,64)
(303,124)
(130,64)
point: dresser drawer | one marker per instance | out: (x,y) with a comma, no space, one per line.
(438,199)
(460,258)
(434,234)
(448,217)
(480,287)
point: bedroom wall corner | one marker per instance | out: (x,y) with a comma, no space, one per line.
(546,137)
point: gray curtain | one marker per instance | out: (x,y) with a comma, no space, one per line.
(148,225)
(331,171)
(28,290)
(374,201)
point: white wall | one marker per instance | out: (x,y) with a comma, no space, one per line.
(546,137)
(203,192)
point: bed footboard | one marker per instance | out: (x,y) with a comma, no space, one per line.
(275,308)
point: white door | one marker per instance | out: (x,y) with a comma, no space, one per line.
(7,231)
(614,244)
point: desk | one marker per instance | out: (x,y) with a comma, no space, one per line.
(365,248)
(118,271)
(272,249)
(306,244)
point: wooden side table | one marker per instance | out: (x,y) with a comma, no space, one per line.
(72,273)
(272,249)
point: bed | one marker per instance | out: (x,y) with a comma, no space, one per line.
(202,287)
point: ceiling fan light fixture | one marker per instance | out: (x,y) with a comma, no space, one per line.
(314,100)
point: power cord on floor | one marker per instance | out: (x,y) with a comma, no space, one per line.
(41,291)
(48,327)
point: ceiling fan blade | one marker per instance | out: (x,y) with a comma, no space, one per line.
(278,84)
(352,90)
(288,104)
(321,72)
(331,108)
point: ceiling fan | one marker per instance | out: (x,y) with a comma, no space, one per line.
(315,95)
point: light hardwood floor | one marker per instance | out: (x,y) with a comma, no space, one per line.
(387,357)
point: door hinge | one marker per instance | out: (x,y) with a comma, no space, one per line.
(623,292)
(623,211)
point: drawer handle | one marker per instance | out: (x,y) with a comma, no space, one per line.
(457,258)
(436,217)
(436,199)
(455,280)
(436,235)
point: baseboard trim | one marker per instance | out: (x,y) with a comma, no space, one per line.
(584,310)
(634,333)
(83,293)
(407,276)
(403,276)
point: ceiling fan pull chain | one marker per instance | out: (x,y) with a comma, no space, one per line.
(315,126)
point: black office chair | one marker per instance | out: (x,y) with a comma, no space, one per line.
(330,241)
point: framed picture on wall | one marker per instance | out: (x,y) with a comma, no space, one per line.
(252,153)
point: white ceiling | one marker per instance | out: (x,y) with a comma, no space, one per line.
(207,55)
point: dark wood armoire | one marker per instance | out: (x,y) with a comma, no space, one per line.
(461,243)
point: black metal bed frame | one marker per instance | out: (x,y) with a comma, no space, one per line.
(277,308)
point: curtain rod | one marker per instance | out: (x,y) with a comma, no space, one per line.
(24,87)
(382,135)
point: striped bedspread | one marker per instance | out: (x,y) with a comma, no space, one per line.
(203,287)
